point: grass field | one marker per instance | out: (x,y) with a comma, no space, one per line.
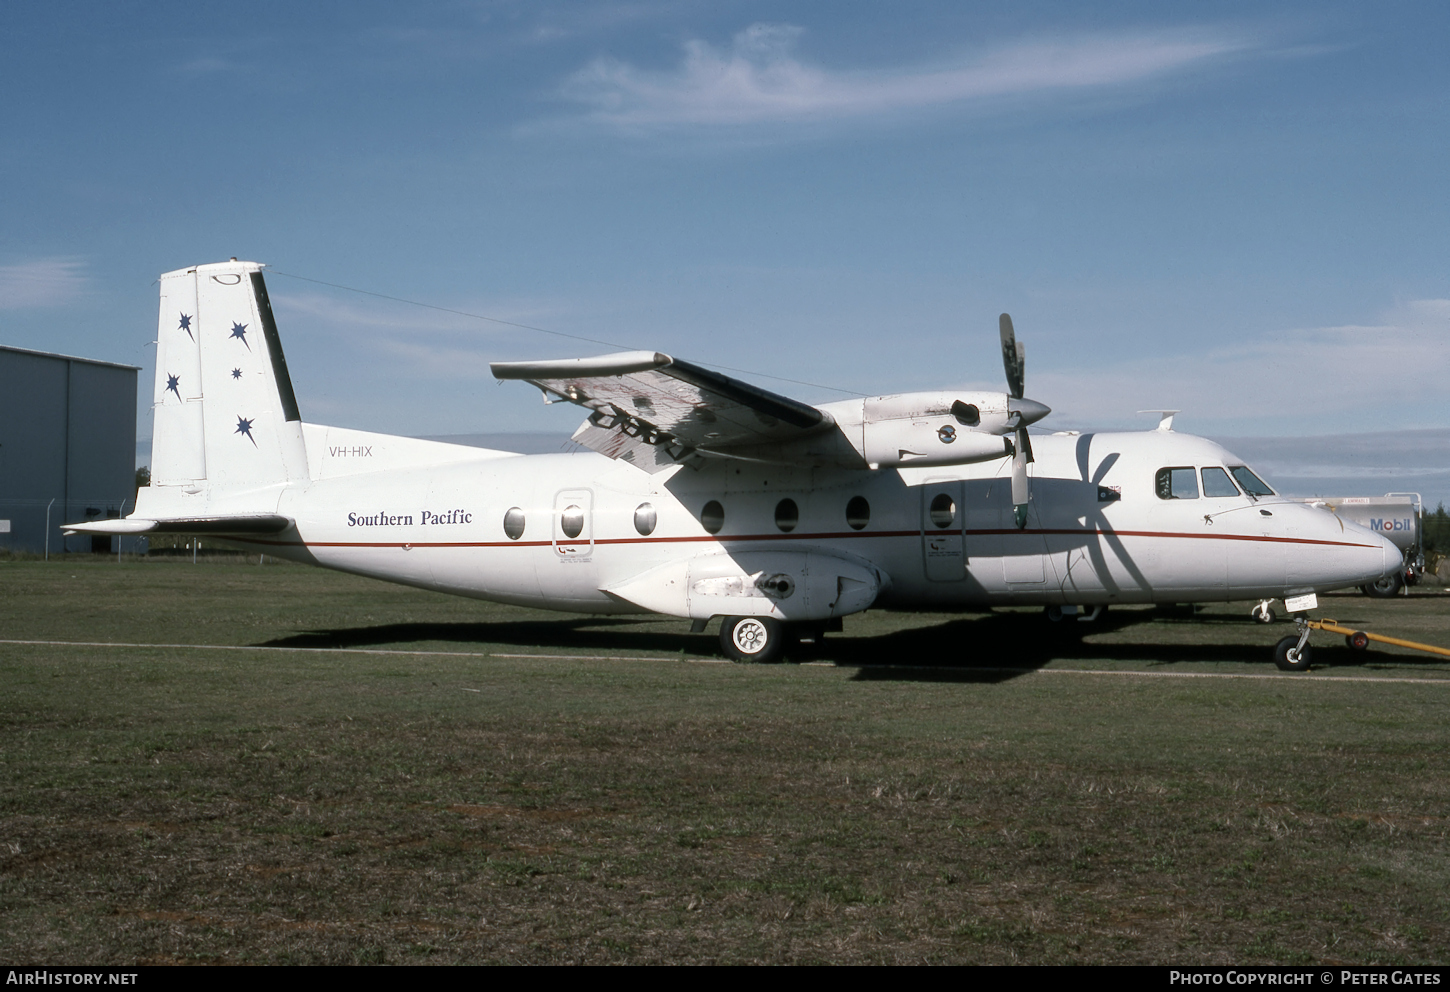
(487,800)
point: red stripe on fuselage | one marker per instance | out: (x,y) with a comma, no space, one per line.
(742,538)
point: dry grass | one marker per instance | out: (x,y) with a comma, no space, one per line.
(334,807)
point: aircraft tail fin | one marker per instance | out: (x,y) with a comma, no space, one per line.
(225,413)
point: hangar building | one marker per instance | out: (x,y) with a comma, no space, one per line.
(67,445)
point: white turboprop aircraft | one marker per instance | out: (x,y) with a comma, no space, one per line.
(709,497)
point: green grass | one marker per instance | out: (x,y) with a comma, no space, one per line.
(174,804)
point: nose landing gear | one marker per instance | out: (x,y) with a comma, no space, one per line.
(1293,653)
(1264,612)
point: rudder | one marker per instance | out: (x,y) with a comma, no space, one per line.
(225,412)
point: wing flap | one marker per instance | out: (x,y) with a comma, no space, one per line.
(656,411)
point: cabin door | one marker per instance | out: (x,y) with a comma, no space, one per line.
(943,521)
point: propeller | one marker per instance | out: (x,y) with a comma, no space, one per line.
(1023,412)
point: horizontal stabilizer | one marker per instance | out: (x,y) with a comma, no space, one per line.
(261,523)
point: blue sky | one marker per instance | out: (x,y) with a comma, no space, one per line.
(1238,209)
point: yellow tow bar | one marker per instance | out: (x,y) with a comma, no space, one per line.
(1359,639)
(1293,653)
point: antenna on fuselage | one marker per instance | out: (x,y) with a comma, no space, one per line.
(1165,418)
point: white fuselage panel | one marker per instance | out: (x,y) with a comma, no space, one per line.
(1097,531)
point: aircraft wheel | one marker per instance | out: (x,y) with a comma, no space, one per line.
(1054,613)
(1263,614)
(757,639)
(1384,588)
(1292,658)
(1359,640)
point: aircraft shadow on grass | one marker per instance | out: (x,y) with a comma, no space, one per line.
(992,648)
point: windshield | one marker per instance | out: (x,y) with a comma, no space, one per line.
(1252,484)
(1216,482)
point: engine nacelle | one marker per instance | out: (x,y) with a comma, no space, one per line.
(938,428)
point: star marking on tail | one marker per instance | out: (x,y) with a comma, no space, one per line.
(172,381)
(236,373)
(244,426)
(185,325)
(240,331)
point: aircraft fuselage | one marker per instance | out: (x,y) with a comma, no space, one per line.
(1097,531)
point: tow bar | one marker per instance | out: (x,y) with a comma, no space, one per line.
(1293,654)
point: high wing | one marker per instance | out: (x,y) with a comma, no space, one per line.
(655,411)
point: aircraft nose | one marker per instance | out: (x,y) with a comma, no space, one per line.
(1029,411)
(1393,558)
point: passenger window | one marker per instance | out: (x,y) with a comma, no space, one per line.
(1252,484)
(513,523)
(1217,483)
(645,519)
(858,513)
(1176,483)
(787,515)
(943,511)
(712,517)
(572,521)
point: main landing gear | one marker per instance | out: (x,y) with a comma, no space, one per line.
(765,640)
(757,639)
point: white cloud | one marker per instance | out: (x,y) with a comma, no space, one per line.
(759,79)
(46,282)
(1350,378)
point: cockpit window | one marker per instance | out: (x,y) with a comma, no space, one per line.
(1217,483)
(1252,484)
(1176,483)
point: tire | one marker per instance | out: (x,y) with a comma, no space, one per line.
(1267,616)
(1384,588)
(1053,613)
(1290,660)
(755,639)
(1359,640)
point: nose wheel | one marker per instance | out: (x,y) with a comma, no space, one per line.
(1264,612)
(1293,653)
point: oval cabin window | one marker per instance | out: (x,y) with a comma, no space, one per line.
(787,515)
(645,519)
(571,521)
(513,523)
(858,513)
(943,511)
(712,517)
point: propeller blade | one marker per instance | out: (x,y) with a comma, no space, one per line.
(1024,444)
(1019,487)
(1014,357)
